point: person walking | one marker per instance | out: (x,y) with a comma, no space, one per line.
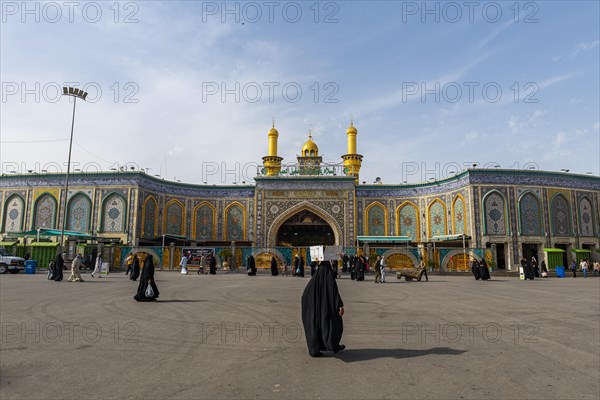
(378,269)
(212,265)
(584,267)
(135,269)
(129,262)
(596,268)
(98,267)
(147,290)
(75,270)
(57,271)
(574,268)
(274,267)
(322,312)
(382,265)
(544,269)
(251,266)
(183,264)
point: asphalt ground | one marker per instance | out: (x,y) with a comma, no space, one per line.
(234,336)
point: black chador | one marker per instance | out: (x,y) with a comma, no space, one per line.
(57,273)
(322,310)
(146,279)
(135,270)
(301,266)
(212,265)
(484,272)
(313,266)
(274,268)
(251,266)
(475,270)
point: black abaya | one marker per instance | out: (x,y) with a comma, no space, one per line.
(274,268)
(301,266)
(135,269)
(321,304)
(484,272)
(251,266)
(212,266)
(57,272)
(146,279)
(475,270)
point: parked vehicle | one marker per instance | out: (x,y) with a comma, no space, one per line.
(10,263)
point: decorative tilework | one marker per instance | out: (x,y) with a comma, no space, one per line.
(408,221)
(560,216)
(205,223)
(437,219)
(78,214)
(14,211)
(586,217)
(459,218)
(530,215)
(376,220)
(174,218)
(149,224)
(113,213)
(45,212)
(234,229)
(495,216)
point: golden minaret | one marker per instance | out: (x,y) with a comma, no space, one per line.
(352,161)
(272,162)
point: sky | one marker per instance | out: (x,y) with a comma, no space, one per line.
(188,90)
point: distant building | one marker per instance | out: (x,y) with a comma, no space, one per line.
(512,213)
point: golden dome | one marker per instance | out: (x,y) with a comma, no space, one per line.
(273,131)
(310,148)
(351,128)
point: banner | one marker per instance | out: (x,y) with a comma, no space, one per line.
(195,255)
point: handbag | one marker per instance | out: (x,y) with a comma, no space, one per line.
(149,291)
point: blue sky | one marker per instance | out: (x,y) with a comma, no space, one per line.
(411,75)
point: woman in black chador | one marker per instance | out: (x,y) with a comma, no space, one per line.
(322,311)
(57,273)
(135,269)
(251,266)
(146,279)
(301,266)
(475,269)
(484,272)
(212,265)
(274,268)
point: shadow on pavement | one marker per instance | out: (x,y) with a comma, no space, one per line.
(353,355)
(181,301)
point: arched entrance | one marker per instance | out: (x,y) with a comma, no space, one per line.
(303,229)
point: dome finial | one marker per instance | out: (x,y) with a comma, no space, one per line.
(273,119)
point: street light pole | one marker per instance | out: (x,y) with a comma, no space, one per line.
(75,93)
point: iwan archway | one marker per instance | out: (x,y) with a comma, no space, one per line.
(304,225)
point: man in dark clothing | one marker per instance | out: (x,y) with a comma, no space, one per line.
(322,311)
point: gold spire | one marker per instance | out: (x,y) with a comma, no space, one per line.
(310,148)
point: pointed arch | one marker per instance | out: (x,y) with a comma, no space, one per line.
(14,213)
(174,218)
(459,215)
(79,213)
(45,212)
(586,216)
(304,205)
(204,222)
(150,217)
(560,215)
(374,213)
(495,220)
(114,213)
(234,224)
(408,222)
(530,214)
(437,222)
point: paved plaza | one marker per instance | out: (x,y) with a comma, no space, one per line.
(234,336)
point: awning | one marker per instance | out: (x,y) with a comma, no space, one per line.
(551,250)
(43,244)
(54,232)
(580,251)
(447,238)
(178,237)
(8,244)
(383,239)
